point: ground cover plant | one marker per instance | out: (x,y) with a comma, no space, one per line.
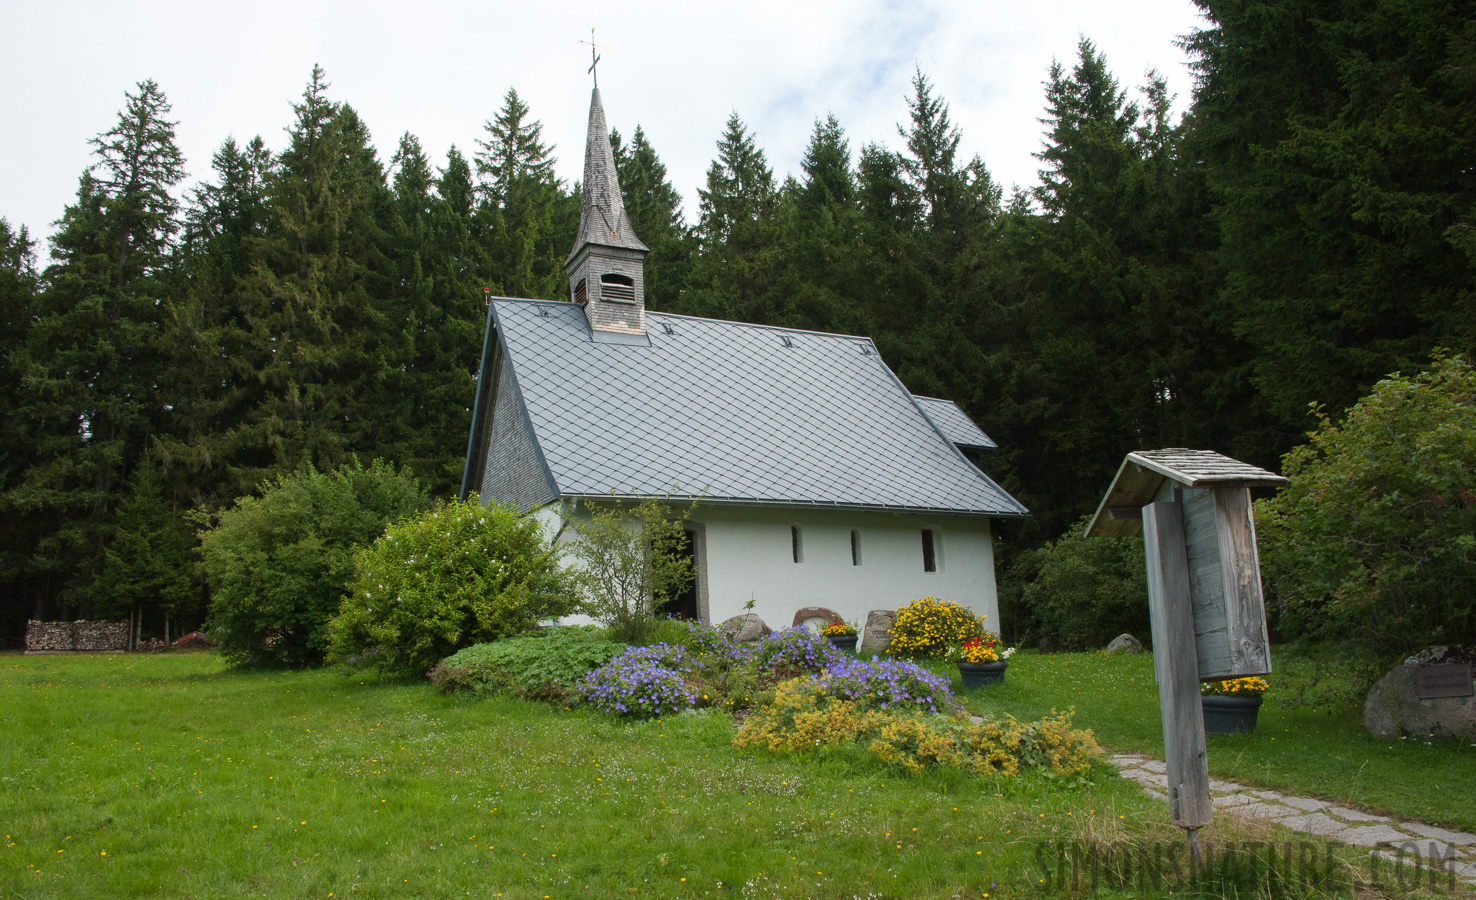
(461,573)
(544,664)
(1310,739)
(308,783)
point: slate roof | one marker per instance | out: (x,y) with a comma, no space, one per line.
(954,423)
(731,412)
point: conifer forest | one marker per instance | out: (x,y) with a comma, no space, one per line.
(1204,280)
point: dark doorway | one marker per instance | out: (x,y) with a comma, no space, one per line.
(684,604)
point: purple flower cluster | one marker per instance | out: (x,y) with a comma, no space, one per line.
(798,648)
(887,684)
(707,639)
(640,683)
(665,655)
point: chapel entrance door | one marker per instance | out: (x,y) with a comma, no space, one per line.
(683,605)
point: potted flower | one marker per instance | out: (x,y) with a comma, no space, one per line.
(842,635)
(1231,705)
(981,661)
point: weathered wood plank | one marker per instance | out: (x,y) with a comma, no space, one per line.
(1245,606)
(1175,665)
(1206,583)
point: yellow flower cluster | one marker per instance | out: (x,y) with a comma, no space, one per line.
(801,718)
(838,629)
(926,628)
(1236,687)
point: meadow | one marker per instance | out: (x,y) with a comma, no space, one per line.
(171,775)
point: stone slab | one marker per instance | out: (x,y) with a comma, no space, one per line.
(1353,815)
(1155,765)
(1450,837)
(1372,835)
(1230,801)
(1265,810)
(1313,823)
(1306,803)
(1269,795)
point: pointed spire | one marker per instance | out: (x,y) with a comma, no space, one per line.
(602,218)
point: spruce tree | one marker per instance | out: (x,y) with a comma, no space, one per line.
(1339,139)
(735,275)
(655,210)
(17,446)
(527,216)
(93,358)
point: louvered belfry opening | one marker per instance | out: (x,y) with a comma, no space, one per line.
(606,268)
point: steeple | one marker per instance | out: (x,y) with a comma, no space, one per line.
(605,268)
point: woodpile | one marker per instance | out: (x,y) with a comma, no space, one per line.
(82,635)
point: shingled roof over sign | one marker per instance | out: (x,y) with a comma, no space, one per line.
(731,413)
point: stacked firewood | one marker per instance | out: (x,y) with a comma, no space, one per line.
(80,635)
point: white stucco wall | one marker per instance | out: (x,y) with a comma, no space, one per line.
(747,553)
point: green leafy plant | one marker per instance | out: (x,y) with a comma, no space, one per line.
(460,574)
(628,561)
(278,563)
(1082,592)
(1374,540)
(546,664)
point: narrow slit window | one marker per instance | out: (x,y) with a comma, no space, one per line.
(855,548)
(930,555)
(796,545)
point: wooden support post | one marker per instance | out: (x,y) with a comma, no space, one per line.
(1176,665)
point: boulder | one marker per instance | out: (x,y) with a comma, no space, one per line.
(1124,643)
(1394,708)
(878,631)
(746,628)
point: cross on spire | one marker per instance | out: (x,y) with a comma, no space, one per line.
(594,56)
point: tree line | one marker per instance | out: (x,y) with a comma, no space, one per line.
(1308,227)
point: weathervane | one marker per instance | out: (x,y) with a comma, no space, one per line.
(594,57)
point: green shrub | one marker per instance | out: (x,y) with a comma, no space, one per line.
(458,575)
(278,563)
(928,627)
(1083,592)
(1374,540)
(629,560)
(545,664)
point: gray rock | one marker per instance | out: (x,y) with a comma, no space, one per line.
(878,631)
(746,628)
(1393,709)
(1124,643)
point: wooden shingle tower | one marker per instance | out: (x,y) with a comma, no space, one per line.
(605,268)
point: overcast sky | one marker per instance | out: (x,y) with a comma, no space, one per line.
(440,70)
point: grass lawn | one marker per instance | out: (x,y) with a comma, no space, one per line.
(169,775)
(1310,751)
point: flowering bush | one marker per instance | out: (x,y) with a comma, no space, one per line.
(803,718)
(458,575)
(1234,687)
(926,628)
(796,649)
(886,684)
(639,684)
(839,629)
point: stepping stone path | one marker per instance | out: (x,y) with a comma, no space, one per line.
(1451,850)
